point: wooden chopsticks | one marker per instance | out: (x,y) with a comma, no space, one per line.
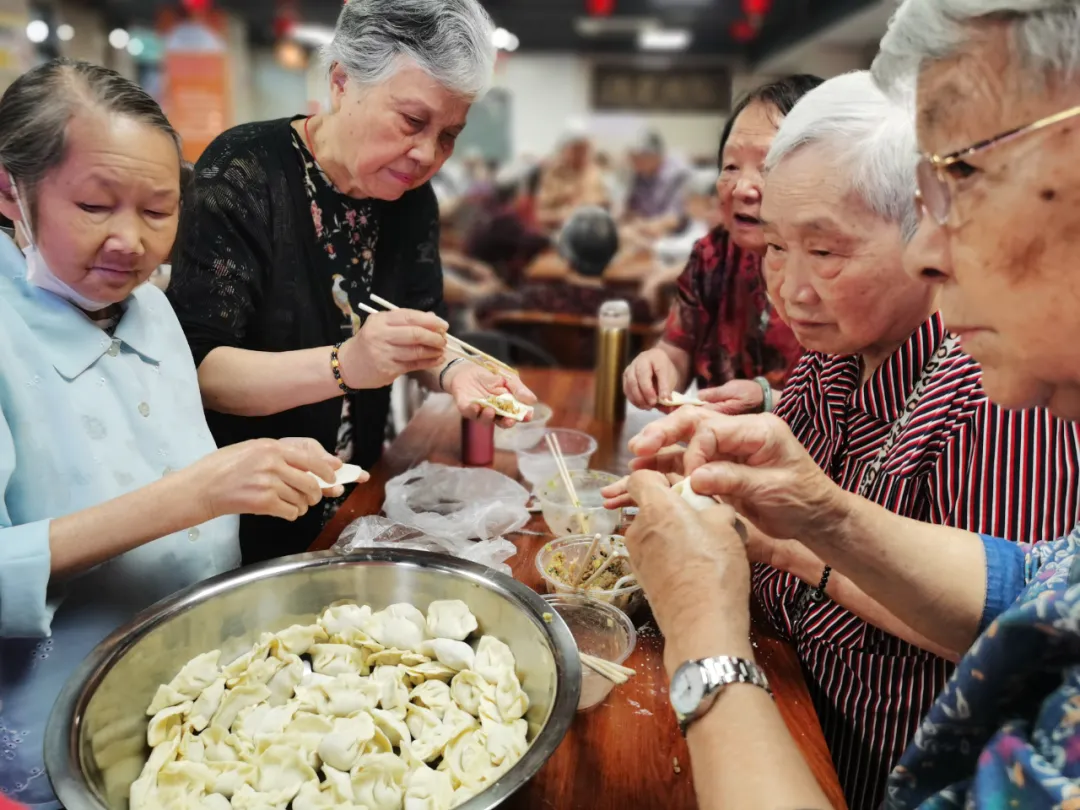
(616,673)
(560,462)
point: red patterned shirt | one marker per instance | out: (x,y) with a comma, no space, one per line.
(722,317)
(959,461)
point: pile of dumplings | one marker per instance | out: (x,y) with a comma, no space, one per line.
(379,710)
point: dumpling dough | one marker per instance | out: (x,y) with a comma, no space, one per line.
(697,502)
(452,619)
(678,399)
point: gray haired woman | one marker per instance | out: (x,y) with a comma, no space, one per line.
(293,225)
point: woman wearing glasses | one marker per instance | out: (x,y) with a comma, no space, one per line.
(999,238)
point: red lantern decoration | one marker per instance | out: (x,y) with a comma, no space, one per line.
(756,8)
(285,19)
(196,6)
(600,8)
(743,31)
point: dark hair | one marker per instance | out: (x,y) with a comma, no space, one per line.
(782,95)
(589,240)
(36,109)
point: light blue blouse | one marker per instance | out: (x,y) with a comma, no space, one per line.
(86,418)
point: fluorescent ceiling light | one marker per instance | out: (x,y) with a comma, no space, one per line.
(65,32)
(37,31)
(613,26)
(119,38)
(664,39)
(313,35)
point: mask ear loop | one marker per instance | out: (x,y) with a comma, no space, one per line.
(24,225)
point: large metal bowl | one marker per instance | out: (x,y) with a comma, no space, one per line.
(95,743)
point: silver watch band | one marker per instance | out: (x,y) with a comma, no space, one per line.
(722,671)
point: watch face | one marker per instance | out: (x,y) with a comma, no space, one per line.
(687,688)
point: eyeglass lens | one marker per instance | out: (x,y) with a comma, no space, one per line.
(934,191)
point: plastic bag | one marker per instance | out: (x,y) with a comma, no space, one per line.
(374,531)
(457,503)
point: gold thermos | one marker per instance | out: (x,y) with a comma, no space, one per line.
(612,356)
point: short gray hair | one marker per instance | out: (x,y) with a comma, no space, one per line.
(1045,35)
(451,40)
(36,108)
(874,134)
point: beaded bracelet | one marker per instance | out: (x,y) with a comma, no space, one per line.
(335,366)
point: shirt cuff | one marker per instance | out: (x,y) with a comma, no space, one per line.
(25,566)
(1004,577)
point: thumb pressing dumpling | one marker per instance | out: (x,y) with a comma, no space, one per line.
(698,502)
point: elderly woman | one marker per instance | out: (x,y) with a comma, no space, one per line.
(113,494)
(999,234)
(888,405)
(293,225)
(722,327)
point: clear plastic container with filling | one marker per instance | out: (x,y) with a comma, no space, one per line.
(560,559)
(564,518)
(600,630)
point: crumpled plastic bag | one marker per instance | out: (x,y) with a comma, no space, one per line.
(375,531)
(438,508)
(457,503)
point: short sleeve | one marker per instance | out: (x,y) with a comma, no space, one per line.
(424,281)
(223,250)
(25,562)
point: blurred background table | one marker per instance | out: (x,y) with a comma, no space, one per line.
(627,752)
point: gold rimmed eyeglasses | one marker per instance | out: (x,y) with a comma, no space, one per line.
(934,195)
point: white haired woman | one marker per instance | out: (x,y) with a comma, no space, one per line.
(292,225)
(997,106)
(112,494)
(890,407)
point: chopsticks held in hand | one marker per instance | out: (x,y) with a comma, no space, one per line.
(616,673)
(458,347)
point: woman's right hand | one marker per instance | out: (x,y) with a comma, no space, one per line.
(754,463)
(263,477)
(391,344)
(650,378)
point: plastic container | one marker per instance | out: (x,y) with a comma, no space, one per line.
(563,518)
(599,630)
(627,599)
(537,465)
(524,434)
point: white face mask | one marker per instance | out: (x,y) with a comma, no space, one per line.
(38,272)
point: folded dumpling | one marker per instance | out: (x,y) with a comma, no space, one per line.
(283,771)
(337,659)
(434,695)
(166,724)
(207,704)
(393,693)
(510,698)
(378,781)
(450,618)
(236,699)
(455,654)
(430,671)
(246,798)
(686,492)
(392,726)
(264,719)
(393,657)
(466,758)
(342,747)
(197,674)
(143,794)
(343,696)
(506,742)
(229,777)
(298,639)
(338,619)
(220,746)
(283,684)
(165,697)
(493,658)
(466,690)
(429,790)
(422,723)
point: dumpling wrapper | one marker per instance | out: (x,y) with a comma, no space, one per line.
(455,654)
(428,789)
(450,618)
(493,658)
(345,474)
(678,399)
(697,502)
(510,407)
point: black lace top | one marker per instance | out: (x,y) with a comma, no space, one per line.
(271,258)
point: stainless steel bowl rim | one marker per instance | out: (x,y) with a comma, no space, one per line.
(62,733)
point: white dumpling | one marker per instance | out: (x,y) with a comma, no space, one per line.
(393,657)
(307,730)
(240,664)
(506,742)
(341,748)
(466,690)
(434,695)
(236,699)
(207,704)
(338,619)
(396,631)
(166,724)
(378,782)
(493,658)
(283,684)
(697,502)
(247,798)
(393,693)
(510,698)
(343,696)
(391,725)
(298,639)
(264,719)
(259,671)
(197,674)
(221,746)
(214,801)
(489,711)
(179,783)
(429,790)
(143,794)
(454,722)
(164,697)
(403,610)
(466,758)
(379,744)
(421,722)
(283,771)
(336,659)
(455,654)
(229,777)
(450,618)
(430,671)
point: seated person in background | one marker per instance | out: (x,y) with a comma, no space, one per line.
(655,206)
(587,244)
(571,180)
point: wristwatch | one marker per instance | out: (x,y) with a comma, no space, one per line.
(697,683)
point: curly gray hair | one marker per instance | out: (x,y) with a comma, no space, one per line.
(451,40)
(1045,35)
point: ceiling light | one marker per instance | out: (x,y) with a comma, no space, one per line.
(119,38)
(503,40)
(136,47)
(65,33)
(313,35)
(664,39)
(37,31)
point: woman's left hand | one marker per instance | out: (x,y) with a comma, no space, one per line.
(467,381)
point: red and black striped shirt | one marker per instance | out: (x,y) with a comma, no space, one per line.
(960,461)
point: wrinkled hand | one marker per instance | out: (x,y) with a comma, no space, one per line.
(735,397)
(468,381)
(650,378)
(391,344)
(752,462)
(668,462)
(687,560)
(263,477)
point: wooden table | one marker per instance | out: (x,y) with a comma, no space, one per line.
(626,753)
